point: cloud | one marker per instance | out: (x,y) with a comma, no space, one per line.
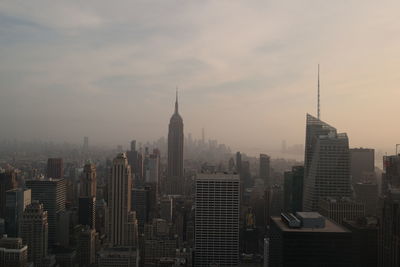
(249,65)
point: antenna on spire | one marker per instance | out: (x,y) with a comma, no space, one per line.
(319,113)
(176,100)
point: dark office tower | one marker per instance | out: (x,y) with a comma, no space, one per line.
(293,189)
(8,181)
(364,241)
(389,230)
(308,239)
(175,144)
(391,176)
(140,204)
(34,232)
(245,175)
(87,211)
(273,197)
(122,221)
(52,194)
(88,181)
(87,247)
(367,193)
(362,162)
(135,160)
(55,168)
(238,162)
(327,164)
(265,169)
(16,201)
(217,220)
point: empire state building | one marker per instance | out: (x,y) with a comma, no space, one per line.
(175,144)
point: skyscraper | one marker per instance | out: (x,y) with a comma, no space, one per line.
(265,169)
(389,230)
(362,165)
(175,180)
(16,201)
(121,218)
(87,199)
(293,189)
(135,159)
(55,168)
(217,220)
(175,144)
(88,181)
(34,232)
(308,239)
(238,162)
(391,176)
(327,164)
(7,182)
(87,247)
(52,194)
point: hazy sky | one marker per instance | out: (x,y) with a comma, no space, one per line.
(247,70)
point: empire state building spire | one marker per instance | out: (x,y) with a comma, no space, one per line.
(176,102)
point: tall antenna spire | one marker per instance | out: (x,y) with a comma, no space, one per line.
(176,100)
(319,112)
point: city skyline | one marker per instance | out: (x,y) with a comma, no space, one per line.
(103,56)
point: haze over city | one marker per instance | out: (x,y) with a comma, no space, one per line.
(246,71)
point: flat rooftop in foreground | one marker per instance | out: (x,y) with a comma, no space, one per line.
(330,227)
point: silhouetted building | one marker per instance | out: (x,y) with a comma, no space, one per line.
(16,201)
(88,181)
(8,181)
(52,194)
(238,162)
(34,232)
(389,230)
(87,211)
(55,168)
(308,239)
(140,204)
(273,197)
(367,193)
(339,209)
(13,253)
(87,247)
(391,175)
(293,189)
(135,160)
(362,162)
(245,175)
(327,164)
(265,169)
(175,146)
(217,220)
(122,221)
(364,241)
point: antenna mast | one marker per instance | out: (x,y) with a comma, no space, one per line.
(318,96)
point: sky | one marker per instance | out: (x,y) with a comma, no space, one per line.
(246,71)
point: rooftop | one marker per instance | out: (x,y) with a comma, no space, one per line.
(330,226)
